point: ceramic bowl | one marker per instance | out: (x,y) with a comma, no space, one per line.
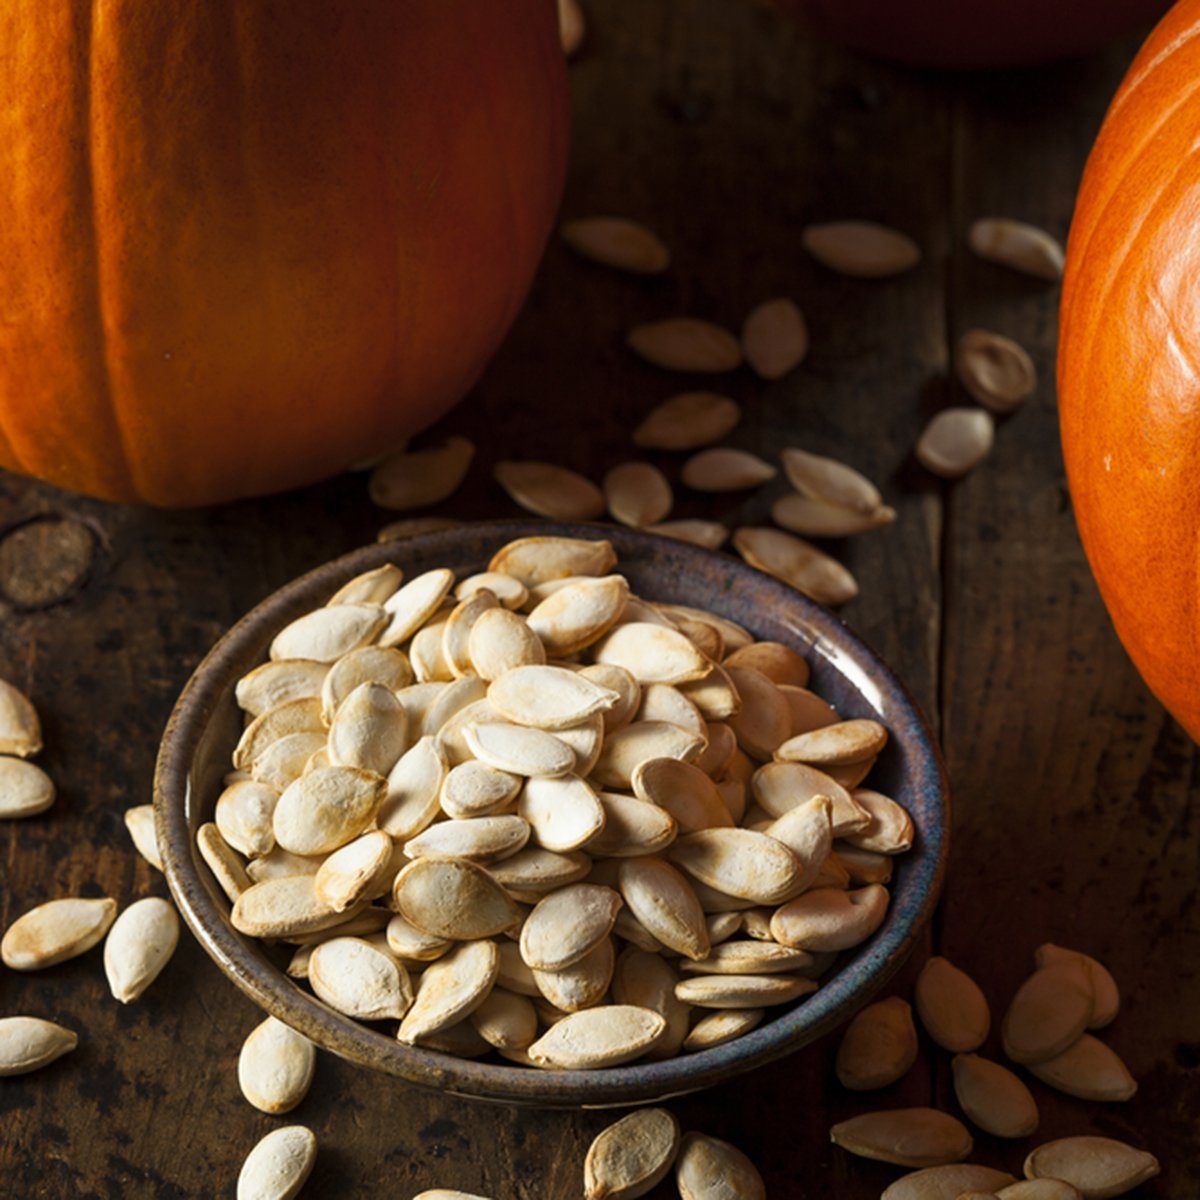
(205,723)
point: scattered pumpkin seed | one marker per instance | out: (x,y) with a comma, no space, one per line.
(139,944)
(630,1157)
(687,422)
(1099,1167)
(908,1137)
(549,490)
(995,370)
(956,441)
(686,344)
(28,1043)
(278,1165)
(861,249)
(952,1007)
(56,931)
(20,729)
(617,242)
(993,1097)
(797,563)
(420,478)
(275,1067)
(878,1047)
(709,1169)
(25,789)
(1049,1012)
(1018,245)
(726,469)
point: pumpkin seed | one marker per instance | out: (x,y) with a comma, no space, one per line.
(740,862)
(408,942)
(1018,245)
(427,650)
(1098,1166)
(537,870)
(732,634)
(631,827)
(409,608)
(742,991)
(818,477)
(139,820)
(846,741)
(878,1047)
(662,702)
(360,921)
(630,1157)
(548,697)
(797,563)
(717,755)
(567,924)
(665,904)
(348,873)
(371,587)
(749,958)
(473,789)
(1106,998)
(275,683)
(1088,1069)
(56,931)
(951,1005)
(572,29)
(683,791)
(410,802)
(326,808)
(617,242)
(451,989)
(861,249)
(296,716)
(452,702)
(284,761)
(715,696)
(817,518)
(956,441)
(1049,1012)
(453,899)
(420,478)
(891,828)
(1040,1189)
(505,1020)
(652,653)
(993,1097)
(598,1037)
(626,749)
(355,978)
(775,338)
(474,838)
(281,863)
(549,490)
(244,813)
(807,833)
(28,1043)
(414,527)
(764,720)
(275,1067)
(830,919)
(909,1137)
(283,908)
(726,469)
(688,421)
(25,789)
(645,979)
(637,494)
(946,1183)
(710,1169)
(686,344)
(863,866)
(582,984)
(457,631)
(451,1193)
(501,641)
(995,370)
(139,945)
(510,592)
(20,729)
(223,861)
(520,750)
(711,535)
(780,787)
(325,634)
(278,1165)
(535,560)
(721,1026)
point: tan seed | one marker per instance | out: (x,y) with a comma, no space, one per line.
(617,242)
(844,742)
(637,494)
(572,29)
(806,831)
(1098,1166)
(139,820)
(749,957)
(223,861)
(878,1047)
(775,338)
(505,1020)
(1018,245)
(862,249)
(946,1183)
(643,977)
(665,904)
(726,469)
(473,789)
(25,789)
(710,1169)
(626,749)
(138,946)
(295,716)
(414,527)
(652,653)
(710,535)
(686,344)
(956,441)
(536,870)
(419,478)
(501,641)
(284,761)
(720,1026)
(275,1067)
(995,370)
(360,980)
(1088,1069)
(244,815)
(1040,1189)
(818,518)
(283,908)
(411,799)
(279,864)
(567,924)
(891,828)
(951,1005)
(549,490)
(830,919)
(548,697)
(688,421)
(535,560)
(742,991)
(451,989)
(1106,998)
(274,683)
(278,1165)
(764,720)
(631,827)
(797,563)
(327,633)
(519,750)
(474,838)
(1049,1012)
(683,791)
(510,592)
(630,1157)
(908,1137)
(993,1097)
(408,942)
(56,931)
(347,874)
(584,983)
(28,1043)
(409,608)
(326,808)
(598,1037)
(371,587)
(821,478)
(20,729)
(739,862)
(453,899)
(780,787)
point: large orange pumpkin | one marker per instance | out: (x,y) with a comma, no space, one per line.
(1129,362)
(975,33)
(245,243)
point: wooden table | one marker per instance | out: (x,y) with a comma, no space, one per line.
(726,129)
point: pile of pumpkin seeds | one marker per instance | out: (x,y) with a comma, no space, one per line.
(530,812)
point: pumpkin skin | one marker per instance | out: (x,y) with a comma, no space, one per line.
(970,34)
(246,244)
(1129,363)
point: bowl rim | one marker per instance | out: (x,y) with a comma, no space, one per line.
(269,987)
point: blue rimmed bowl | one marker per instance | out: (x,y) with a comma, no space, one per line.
(205,724)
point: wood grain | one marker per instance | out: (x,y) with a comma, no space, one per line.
(724,128)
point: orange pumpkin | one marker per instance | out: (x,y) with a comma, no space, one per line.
(1129,362)
(243,245)
(975,33)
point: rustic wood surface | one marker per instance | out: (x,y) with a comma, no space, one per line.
(726,129)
